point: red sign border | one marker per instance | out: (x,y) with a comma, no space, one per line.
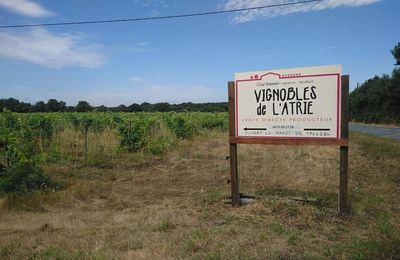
(289,76)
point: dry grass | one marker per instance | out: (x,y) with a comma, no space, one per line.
(68,145)
(173,206)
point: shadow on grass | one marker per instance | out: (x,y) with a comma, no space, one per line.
(319,200)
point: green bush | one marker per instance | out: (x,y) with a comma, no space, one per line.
(41,128)
(159,145)
(132,136)
(23,174)
(214,121)
(181,126)
(22,170)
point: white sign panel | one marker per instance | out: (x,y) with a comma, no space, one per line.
(289,103)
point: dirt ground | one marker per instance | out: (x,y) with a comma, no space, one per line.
(174,206)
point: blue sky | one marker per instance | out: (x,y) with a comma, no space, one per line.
(183,60)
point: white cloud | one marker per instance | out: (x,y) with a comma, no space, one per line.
(132,48)
(25,7)
(142,46)
(52,50)
(251,15)
(137,79)
(149,3)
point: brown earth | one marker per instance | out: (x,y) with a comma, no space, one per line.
(174,206)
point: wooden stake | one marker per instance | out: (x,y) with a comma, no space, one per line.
(86,133)
(344,150)
(233,146)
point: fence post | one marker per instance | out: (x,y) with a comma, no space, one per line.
(344,150)
(233,146)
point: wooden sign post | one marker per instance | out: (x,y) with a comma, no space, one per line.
(233,145)
(344,149)
(303,106)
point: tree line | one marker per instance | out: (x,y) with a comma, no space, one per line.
(53,105)
(377,100)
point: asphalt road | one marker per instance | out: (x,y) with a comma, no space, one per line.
(382,131)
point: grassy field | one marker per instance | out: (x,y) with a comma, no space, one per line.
(173,206)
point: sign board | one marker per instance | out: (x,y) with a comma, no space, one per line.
(292,103)
(301,106)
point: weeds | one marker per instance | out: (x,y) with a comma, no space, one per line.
(165,225)
(134,205)
(374,249)
(377,148)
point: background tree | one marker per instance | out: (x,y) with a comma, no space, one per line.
(52,105)
(146,107)
(83,106)
(101,108)
(377,100)
(40,107)
(122,108)
(162,107)
(62,106)
(396,53)
(134,108)
(15,105)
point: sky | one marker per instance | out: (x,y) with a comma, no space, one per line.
(184,59)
